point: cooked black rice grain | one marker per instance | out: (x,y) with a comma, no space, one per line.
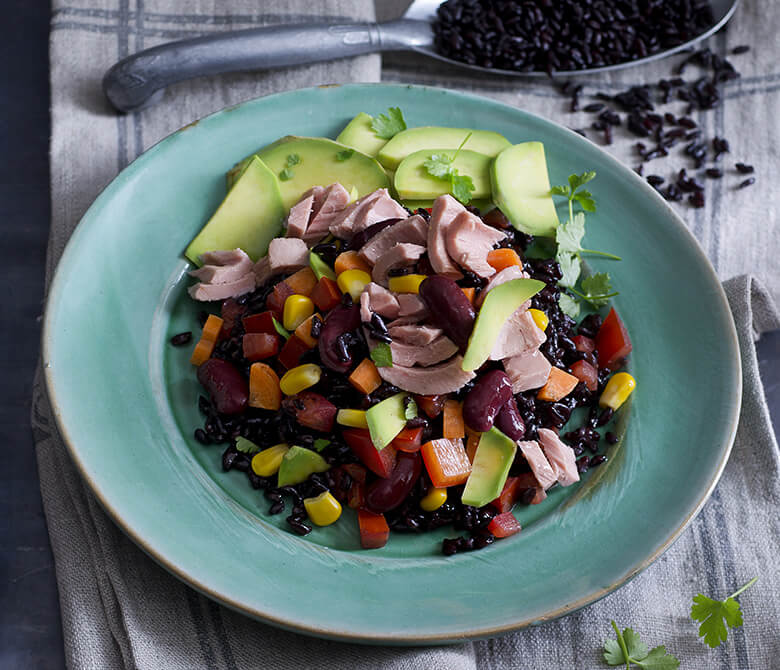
(713,173)
(742,168)
(181,339)
(748,182)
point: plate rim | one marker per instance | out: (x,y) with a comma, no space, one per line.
(730,337)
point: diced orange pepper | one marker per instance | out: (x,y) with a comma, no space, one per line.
(452,420)
(304,332)
(374,531)
(349,260)
(326,294)
(264,391)
(365,377)
(469,293)
(302,282)
(208,340)
(212,328)
(559,385)
(501,259)
(471,446)
(446,462)
(275,301)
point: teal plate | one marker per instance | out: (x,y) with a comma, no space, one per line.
(126,401)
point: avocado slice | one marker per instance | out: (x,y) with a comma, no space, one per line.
(492,460)
(249,217)
(483,206)
(359,134)
(317,166)
(320,268)
(386,419)
(499,304)
(521,189)
(299,464)
(435,137)
(413,181)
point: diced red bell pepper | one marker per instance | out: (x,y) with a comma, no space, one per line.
(379,462)
(525,481)
(357,472)
(312,410)
(585,372)
(260,323)
(275,301)
(374,531)
(510,494)
(293,349)
(326,294)
(259,346)
(356,498)
(612,341)
(409,440)
(583,343)
(504,525)
(231,312)
(432,405)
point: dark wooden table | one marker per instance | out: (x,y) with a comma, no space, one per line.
(30,635)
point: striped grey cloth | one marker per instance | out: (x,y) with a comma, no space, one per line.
(120,610)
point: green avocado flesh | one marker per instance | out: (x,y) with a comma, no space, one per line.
(386,419)
(483,206)
(249,217)
(413,181)
(299,464)
(320,267)
(492,460)
(434,137)
(500,303)
(359,135)
(521,189)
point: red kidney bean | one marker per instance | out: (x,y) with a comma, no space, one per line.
(228,389)
(339,321)
(312,410)
(489,394)
(509,421)
(450,309)
(386,494)
(359,239)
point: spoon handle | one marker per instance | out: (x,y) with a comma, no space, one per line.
(134,81)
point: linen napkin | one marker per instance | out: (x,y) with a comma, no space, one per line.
(121,610)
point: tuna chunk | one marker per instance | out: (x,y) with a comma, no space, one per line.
(223,267)
(298,218)
(407,355)
(560,456)
(445,209)
(262,270)
(370,209)
(468,242)
(541,468)
(518,334)
(234,289)
(334,201)
(383,302)
(413,230)
(365,307)
(287,254)
(528,370)
(507,274)
(419,336)
(411,306)
(435,380)
(401,255)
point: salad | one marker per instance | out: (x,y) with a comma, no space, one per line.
(397,323)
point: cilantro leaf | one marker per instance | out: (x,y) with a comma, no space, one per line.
(387,125)
(246,446)
(586,201)
(344,154)
(659,659)
(280,329)
(569,235)
(637,649)
(560,190)
(410,409)
(596,289)
(569,306)
(713,613)
(439,165)
(462,186)
(293,159)
(570,269)
(629,648)
(286,174)
(382,355)
(577,180)
(320,443)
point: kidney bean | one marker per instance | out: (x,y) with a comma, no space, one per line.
(450,309)
(312,410)
(386,494)
(489,394)
(339,321)
(228,389)
(509,421)
(366,234)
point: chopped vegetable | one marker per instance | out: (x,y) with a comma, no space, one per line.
(267,462)
(374,531)
(280,329)
(350,260)
(586,373)
(406,283)
(259,346)
(559,385)
(430,404)
(275,301)
(208,340)
(434,499)
(299,378)
(472,442)
(326,294)
(715,615)
(323,510)
(504,525)
(365,377)
(312,410)
(379,462)
(353,418)
(540,318)
(292,351)
(353,282)
(513,488)
(446,462)
(388,125)
(344,154)
(629,648)
(408,440)
(469,292)
(246,446)
(452,422)
(320,269)
(297,308)
(259,323)
(303,332)
(264,389)
(500,259)
(619,387)
(298,464)
(302,282)
(612,341)
(386,419)
(382,355)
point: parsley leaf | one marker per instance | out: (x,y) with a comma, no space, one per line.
(286,174)
(596,289)
(410,408)
(344,154)
(387,125)
(320,443)
(713,614)
(382,355)
(629,648)
(293,159)
(246,446)
(280,329)
(569,306)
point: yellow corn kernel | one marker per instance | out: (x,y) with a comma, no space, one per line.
(323,510)
(354,418)
(353,282)
(617,390)
(405,283)
(299,378)
(434,499)
(266,462)
(297,308)
(540,318)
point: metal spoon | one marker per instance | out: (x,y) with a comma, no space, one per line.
(139,80)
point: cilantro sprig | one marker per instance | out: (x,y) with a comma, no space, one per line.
(382,355)
(596,289)
(715,615)
(442,167)
(576,182)
(386,126)
(629,649)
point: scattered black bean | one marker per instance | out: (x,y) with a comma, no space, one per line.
(742,168)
